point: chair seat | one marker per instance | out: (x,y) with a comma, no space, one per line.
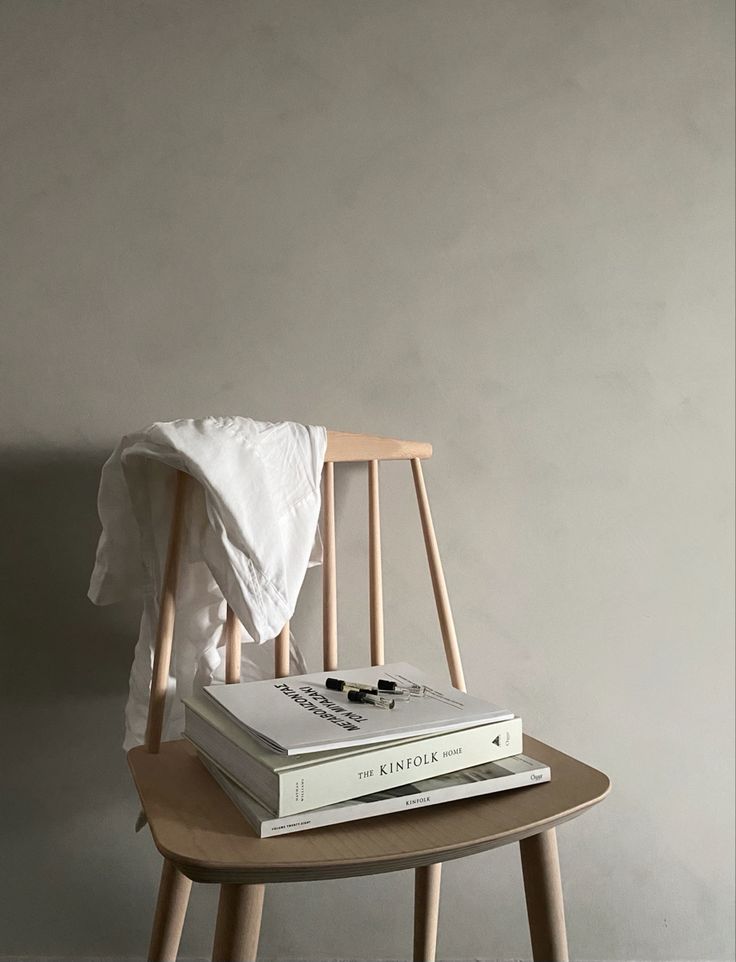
(196,826)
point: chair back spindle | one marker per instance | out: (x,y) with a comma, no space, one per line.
(232,647)
(281,653)
(166,619)
(374,565)
(329,572)
(441,597)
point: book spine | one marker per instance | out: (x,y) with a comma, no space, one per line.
(269,827)
(387,766)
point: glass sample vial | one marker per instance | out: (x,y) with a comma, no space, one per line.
(366,698)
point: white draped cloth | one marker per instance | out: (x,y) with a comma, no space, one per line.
(251,531)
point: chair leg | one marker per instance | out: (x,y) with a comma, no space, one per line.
(426,911)
(238,923)
(171,908)
(540,867)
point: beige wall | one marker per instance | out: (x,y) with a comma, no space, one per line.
(505,227)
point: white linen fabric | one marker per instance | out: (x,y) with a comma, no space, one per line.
(251,532)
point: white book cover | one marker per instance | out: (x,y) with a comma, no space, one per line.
(299,714)
(515,772)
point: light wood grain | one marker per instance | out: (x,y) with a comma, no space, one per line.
(194,823)
(281,653)
(329,571)
(441,597)
(171,908)
(540,866)
(166,619)
(232,647)
(375,577)
(427,881)
(342,446)
(238,923)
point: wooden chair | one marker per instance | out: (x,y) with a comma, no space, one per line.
(203,838)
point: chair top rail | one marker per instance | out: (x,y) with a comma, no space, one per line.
(343,446)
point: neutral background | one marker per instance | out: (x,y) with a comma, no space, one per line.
(505,227)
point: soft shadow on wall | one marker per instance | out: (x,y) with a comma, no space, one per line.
(50,530)
(63,691)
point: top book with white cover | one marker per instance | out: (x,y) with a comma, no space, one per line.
(298,714)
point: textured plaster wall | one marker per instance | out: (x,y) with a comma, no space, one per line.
(505,227)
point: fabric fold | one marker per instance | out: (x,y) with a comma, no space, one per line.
(251,532)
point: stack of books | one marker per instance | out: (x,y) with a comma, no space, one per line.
(311,750)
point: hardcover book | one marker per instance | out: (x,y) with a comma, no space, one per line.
(300,714)
(515,772)
(287,785)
